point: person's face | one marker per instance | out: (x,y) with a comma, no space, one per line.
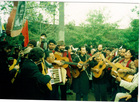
(136,63)
(62,48)
(127,55)
(100,47)
(91,46)
(122,52)
(83,51)
(7,50)
(51,58)
(108,52)
(31,45)
(98,59)
(51,46)
(22,53)
(43,37)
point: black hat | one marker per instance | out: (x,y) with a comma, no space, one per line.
(3,44)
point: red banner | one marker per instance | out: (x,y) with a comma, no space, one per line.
(25,33)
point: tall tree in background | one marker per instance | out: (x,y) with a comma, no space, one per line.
(95,31)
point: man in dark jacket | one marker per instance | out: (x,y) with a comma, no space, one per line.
(30,82)
(5,74)
(81,83)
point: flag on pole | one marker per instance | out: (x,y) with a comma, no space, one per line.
(25,33)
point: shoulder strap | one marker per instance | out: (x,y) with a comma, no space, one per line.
(128,63)
(79,57)
(67,54)
(121,61)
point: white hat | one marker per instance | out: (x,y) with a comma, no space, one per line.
(27,50)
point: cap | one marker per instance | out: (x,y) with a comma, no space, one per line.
(60,43)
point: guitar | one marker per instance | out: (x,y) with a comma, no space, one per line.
(101,66)
(65,61)
(62,59)
(76,72)
(116,67)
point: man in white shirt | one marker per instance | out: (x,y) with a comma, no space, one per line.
(130,86)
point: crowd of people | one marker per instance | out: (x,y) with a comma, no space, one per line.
(111,73)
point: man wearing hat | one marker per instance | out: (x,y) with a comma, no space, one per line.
(31,83)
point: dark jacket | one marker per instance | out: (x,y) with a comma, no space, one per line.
(30,82)
(81,83)
(5,77)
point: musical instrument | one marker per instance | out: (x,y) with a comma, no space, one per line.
(58,75)
(15,21)
(62,59)
(76,72)
(116,67)
(15,63)
(44,71)
(126,77)
(101,66)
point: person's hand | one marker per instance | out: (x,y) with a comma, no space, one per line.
(122,71)
(126,96)
(59,62)
(118,79)
(16,67)
(66,80)
(90,59)
(116,75)
(95,70)
(79,66)
(111,54)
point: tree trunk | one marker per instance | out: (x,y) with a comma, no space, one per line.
(61,21)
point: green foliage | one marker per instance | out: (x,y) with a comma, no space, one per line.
(6,6)
(95,31)
(133,36)
(135,9)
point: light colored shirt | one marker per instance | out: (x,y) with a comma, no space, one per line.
(130,85)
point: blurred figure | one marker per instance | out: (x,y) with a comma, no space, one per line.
(31,83)
(92,51)
(32,43)
(51,45)
(5,74)
(43,41)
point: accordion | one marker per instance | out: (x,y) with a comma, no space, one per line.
(58,75)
